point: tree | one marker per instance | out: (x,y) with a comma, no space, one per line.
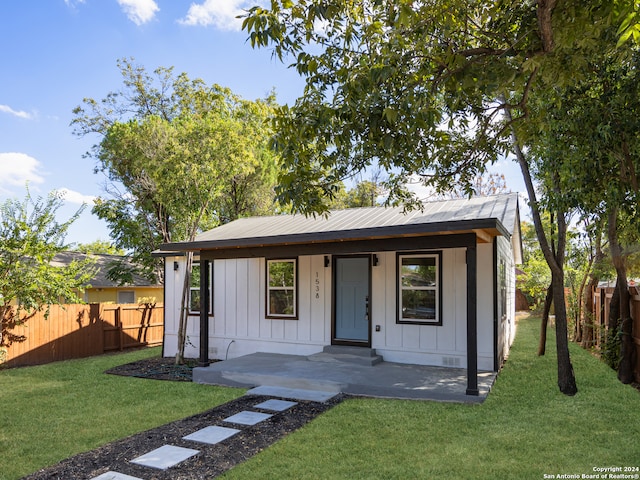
(98,247)
(420,89)
(160,138)
(30,236)
(181,157)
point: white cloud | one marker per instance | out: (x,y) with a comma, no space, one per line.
(219,13)
(17,113)
(139,11)
(16,169)
(74,197)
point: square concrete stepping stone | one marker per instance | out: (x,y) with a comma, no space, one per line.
(211,435)
(115,476)
(247,418)
(165,457)
(276,405)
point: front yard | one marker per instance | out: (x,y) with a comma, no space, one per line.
(525,429)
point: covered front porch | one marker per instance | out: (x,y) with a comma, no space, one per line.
(337,372)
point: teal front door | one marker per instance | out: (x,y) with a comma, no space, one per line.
(351,316)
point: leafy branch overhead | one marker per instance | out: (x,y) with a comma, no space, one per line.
(415,87)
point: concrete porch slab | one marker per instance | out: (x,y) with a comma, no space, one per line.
(386,379)
(292,393)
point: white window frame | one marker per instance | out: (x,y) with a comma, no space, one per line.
(194,288)
(287,288)
(437,289)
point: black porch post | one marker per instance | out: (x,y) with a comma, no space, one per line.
(472,320)
(204,314)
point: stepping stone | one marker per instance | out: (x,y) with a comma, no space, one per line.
(211,435)
(115,476)
(247,418)
(276,405)
(293,393)
(165,457)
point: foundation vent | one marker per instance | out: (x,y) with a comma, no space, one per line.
(450,361)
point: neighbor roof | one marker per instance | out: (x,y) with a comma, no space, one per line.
(487,216)
(102,264)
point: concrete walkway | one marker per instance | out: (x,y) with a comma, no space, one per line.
(390,380)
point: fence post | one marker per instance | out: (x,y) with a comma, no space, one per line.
(120,329)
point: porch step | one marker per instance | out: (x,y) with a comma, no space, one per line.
(347,354)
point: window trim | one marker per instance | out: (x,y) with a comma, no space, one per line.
(196,288)
(120,292)
(267,290)
(438,288)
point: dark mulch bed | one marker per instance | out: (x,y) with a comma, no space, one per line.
(157,368)
(212,460)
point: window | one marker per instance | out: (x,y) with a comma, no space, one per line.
(194,289)
(281,289)
(419,296)
(126,296)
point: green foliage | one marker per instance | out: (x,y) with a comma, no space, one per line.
(30,236)
(98,247)
(537,277)
(415,87)
(189,156)
(611,347)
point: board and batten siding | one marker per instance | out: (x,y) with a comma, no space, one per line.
(239,326)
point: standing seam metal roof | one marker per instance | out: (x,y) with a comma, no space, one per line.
(501,208)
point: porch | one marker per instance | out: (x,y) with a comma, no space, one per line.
(335,373)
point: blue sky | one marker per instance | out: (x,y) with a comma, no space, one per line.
(57,52)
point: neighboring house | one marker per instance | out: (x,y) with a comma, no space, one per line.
(104,290)
(431,287)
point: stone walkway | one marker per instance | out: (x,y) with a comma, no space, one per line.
(168,455)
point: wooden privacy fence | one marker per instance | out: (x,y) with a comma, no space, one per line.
(75,331)
(601,306)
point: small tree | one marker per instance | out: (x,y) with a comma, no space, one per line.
(30,236)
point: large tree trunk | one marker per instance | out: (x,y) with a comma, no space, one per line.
(588,313)
(566,377)
(544,323)
(627,348)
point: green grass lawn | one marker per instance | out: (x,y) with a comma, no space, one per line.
(51,412)
(524,430)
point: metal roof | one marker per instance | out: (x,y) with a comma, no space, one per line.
(496,214)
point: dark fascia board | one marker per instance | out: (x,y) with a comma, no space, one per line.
(397,231)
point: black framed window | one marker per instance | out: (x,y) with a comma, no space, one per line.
(419,288)
(282,288)
(194,288)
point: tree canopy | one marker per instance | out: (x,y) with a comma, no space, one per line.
(180,157)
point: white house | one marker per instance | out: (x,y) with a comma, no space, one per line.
(432,287)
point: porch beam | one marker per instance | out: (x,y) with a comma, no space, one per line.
(204,313)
